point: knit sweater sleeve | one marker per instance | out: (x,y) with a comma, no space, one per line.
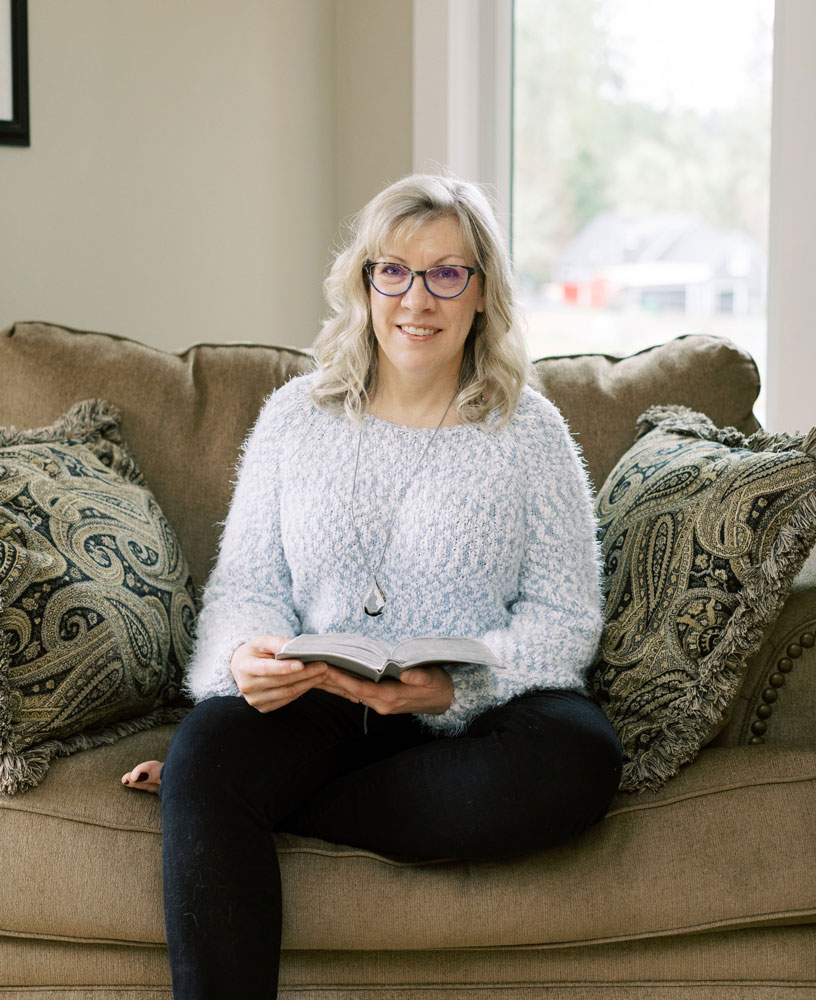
(555,619)
(249,590)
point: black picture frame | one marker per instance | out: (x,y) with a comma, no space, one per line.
(15,131)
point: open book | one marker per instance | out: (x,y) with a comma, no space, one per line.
(373,659)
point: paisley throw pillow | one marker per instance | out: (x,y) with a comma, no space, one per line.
(702,533)
(96,599)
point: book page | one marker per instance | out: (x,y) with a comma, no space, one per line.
(442,649)
(372,652)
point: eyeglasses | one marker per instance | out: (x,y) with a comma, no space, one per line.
(444,282)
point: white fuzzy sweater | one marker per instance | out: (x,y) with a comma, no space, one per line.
(494,539)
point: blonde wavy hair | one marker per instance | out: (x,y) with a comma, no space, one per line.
(495,366)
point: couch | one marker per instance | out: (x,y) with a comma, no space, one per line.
(704,888)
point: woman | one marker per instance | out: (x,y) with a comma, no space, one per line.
(413,485)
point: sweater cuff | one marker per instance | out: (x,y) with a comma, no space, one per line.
(219,681)
(208,672)
(473,693)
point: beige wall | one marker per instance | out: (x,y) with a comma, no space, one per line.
(373,110)
(190,162)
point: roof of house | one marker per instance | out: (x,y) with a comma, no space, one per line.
(656,247)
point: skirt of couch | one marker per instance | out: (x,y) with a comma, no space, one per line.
(705,889)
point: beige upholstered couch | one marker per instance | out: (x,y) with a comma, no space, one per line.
(704,889)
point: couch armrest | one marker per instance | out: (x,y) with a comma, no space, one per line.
(777,703)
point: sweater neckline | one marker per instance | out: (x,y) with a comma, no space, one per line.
(381,422)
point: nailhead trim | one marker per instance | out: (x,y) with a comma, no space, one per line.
(776,680)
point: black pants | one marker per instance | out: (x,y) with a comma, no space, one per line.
(524,776)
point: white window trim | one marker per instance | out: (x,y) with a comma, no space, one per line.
(791,335)
(462,120)
(463,92)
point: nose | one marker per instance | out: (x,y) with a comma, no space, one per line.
(418,298)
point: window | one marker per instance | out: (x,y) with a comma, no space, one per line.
(640,176)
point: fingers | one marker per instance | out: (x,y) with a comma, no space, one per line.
(325,685)
(268,683)
(424,690)
(290,674)
(348,686)
(267,700)
(281,669)
(268,690)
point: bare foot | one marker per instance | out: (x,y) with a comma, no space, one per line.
(146,776)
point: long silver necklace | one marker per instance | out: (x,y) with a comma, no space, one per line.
(374,599)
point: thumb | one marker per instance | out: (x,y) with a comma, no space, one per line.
(268,644)
(416,676)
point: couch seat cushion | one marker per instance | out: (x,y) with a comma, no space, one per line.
(727,843)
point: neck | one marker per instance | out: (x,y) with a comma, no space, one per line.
(414,398)
(415,406)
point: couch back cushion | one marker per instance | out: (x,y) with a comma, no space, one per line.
(602,396)
(185,415)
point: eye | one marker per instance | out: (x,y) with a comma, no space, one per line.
(388,270)
(447,272)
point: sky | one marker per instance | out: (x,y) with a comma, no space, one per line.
(696,55)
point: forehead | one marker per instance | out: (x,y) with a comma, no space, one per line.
(441,237)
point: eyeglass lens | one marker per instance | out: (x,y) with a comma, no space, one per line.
(447,280)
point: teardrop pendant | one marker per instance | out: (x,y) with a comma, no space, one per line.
(374,599)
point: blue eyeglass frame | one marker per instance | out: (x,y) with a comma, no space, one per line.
(371,264)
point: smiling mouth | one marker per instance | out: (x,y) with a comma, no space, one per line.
(418,332)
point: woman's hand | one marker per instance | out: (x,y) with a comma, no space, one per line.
(267,683)
(146,776)
(428,690)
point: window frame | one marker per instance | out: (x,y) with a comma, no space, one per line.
(463,50)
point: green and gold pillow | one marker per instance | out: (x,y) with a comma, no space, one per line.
(96,599)
(702,533)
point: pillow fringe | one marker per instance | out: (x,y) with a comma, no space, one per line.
(20,771)
(88,420)
(762,440)
(667,753)
(678,419)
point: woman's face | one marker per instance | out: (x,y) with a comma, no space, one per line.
(421,337)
